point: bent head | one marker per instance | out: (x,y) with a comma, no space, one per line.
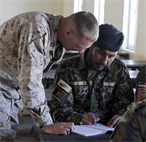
(104,50)
(78,31)
(75,44)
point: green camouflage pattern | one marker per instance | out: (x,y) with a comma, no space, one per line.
(110,93)
(141,80)
(132,125)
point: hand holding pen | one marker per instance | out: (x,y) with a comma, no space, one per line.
(89,118)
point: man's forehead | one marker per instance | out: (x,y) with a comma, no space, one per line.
(106,51)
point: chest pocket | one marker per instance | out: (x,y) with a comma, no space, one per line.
(108,86)
(79,88)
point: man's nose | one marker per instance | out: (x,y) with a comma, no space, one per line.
(105,60)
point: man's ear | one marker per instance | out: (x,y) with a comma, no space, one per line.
(68,32)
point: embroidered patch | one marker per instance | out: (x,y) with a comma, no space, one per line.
(64,85)
(126,85)
(141,90)
(79,83)
(141,93)
(58,93)
(142,83)
(109,83)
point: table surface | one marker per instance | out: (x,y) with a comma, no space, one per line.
(41,136)
(134,63)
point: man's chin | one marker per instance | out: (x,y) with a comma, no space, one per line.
(98,68)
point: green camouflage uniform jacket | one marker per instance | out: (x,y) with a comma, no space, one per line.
(141,82)
(75,94)
(132,125)
(28,46)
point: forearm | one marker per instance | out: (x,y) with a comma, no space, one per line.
(30,71)
(41,115)
(35,102)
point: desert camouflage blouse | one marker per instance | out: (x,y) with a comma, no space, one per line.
(28,46)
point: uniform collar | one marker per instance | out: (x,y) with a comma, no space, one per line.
(82,63)
(53,33)
(56,22)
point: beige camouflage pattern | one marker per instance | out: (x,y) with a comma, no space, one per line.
(28,46)
(8,117)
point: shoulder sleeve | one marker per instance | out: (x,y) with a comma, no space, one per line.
(123,94)
(131,127)
(62,101)
(30,70)
(137,104)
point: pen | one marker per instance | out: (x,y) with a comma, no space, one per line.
(95,117)
(94,114)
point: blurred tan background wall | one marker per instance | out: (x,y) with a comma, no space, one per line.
(113,14)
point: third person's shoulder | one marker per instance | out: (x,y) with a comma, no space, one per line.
(137,104)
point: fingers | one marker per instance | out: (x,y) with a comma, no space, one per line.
(66,128)
(97,119)
(113,121)
(59,128)
(89,119)
(86,120)
(69,125)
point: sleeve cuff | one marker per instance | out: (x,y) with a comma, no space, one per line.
(41,118)
(77,119)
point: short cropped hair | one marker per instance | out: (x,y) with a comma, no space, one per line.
(86,25)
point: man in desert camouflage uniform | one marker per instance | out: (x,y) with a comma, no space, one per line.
(30,44)
(132,125)
(93,86)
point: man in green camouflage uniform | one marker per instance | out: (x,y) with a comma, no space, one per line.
(30,43)
(93,86)
(132,125)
